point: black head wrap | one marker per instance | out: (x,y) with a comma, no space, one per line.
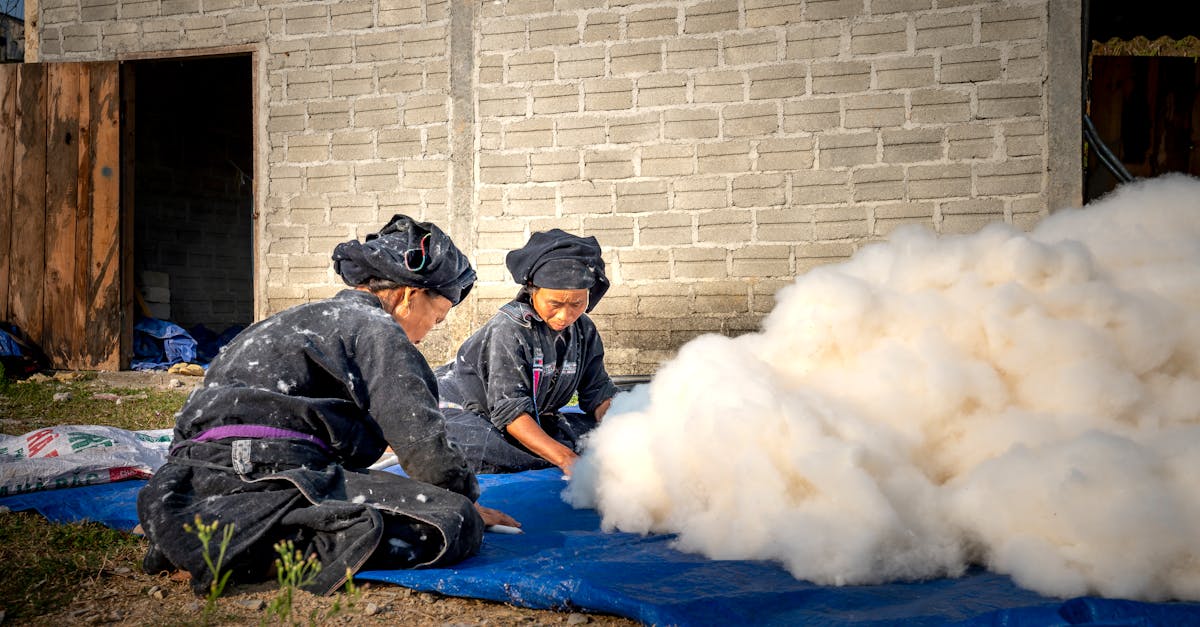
(406,252)
(557,260)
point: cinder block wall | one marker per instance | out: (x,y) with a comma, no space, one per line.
(719,148)
(716,148)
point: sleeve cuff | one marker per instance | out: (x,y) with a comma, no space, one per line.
(509,409)
(608,391)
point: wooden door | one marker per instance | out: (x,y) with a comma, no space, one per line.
(60,271)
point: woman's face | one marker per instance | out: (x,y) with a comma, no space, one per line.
(559,308)
(418,311)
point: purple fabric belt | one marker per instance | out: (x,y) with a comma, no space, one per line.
(257,432)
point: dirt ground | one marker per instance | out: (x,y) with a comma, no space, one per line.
(121,594)
(126,596)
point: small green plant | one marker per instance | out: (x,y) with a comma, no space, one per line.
(353,596)
(293,571)
(204,532)
(353,593)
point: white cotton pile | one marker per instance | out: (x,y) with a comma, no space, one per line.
(1030,402)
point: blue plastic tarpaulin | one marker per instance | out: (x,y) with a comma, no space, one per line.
(8,345)
(111,504)
(158,344)
(564,561)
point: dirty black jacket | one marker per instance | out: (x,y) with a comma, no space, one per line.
(493,374)
(491,383)
(343,371)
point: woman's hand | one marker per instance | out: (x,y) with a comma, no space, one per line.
(495,517)
(568,462)
(529,433)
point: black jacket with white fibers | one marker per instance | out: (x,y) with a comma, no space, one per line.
(493,374)
(492,382)
(341,370)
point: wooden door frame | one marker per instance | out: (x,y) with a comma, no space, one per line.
(8,109)
(128,134)
(73,122)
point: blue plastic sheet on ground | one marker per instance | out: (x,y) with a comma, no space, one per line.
(565,561)
(112,504)
(158,344)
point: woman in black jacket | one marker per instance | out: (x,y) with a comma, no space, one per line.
(503,393)
(294,410)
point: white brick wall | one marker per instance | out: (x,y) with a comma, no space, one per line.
(716,148)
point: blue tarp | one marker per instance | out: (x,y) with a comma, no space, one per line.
(8,345)
(158,344)
(112,504)
(19,356)
(565,561)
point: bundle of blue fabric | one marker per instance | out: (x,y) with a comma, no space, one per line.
(19,355)
(159,343)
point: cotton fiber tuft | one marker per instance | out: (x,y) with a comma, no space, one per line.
(1029,402)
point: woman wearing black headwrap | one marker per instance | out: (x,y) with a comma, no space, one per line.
(502,395)
(294,410)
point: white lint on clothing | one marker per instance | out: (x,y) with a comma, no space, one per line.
(1028,402)
(298,330)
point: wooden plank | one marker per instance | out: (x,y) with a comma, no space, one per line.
(258,285)
(128,129)
(28,262)
(62,185)
(8,130)
(33,37)
(103,333)
(77,353)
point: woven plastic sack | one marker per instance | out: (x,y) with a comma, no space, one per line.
(76,455)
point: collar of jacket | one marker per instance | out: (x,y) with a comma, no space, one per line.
(520,313)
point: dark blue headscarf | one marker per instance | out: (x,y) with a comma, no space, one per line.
(406,252)
(558,260)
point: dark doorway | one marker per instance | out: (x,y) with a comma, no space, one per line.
(1143,89)
(193,200)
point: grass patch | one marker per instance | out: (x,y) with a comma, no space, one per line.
(29,405)
(44,563)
